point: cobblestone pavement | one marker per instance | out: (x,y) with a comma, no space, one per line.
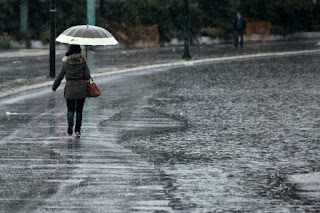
(225,137)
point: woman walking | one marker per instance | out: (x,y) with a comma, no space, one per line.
(77,73)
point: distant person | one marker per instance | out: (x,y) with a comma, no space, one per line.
(239,25)
(77,73)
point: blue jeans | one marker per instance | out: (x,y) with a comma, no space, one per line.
(75,106)
(239,33)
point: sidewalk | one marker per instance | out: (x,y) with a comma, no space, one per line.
(20,68)
(26,53)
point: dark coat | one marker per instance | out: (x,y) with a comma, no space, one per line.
(244,24)
(77,73)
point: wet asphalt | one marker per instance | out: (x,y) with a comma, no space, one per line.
(21,71)
(223,137)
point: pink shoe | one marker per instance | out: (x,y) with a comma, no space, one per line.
(78,134)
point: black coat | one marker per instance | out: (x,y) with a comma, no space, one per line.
(77,73)
(244,24)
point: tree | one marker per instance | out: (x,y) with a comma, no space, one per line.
(291,15)
(9,17)
(215,12)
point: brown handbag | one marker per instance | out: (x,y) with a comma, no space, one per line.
(92,89)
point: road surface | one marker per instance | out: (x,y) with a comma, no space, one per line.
(224,137)
(26,67)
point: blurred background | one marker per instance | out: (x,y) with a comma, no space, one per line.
(152,23)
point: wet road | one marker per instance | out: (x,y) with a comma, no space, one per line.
(226,137)
(20,71)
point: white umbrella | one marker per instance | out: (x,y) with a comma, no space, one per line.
(87,35)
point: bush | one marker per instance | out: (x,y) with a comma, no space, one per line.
(26,36)
(279,30)
(288,16)
(168,15)
(5,39)
(45,36)
(316,27)
(213,32)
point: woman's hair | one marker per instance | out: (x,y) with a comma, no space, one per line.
(73,49)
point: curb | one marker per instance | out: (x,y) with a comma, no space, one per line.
(170,65)
(25,53)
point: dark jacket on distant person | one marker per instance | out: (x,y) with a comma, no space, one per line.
(243,24)
(77,73)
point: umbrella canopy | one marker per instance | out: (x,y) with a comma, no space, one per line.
(87,35)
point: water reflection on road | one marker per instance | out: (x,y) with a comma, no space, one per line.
(223,138)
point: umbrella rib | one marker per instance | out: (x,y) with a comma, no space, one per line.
(68,30)
(101,34)
(76,31)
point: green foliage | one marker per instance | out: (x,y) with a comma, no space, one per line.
(161,12)
(213,32)
(45,35)
(215,12)
(218,15)
(258,9)
(279,30)
(26,37)
(5,39)
(168,15)
(288,15)
(70,13)
(9,16)
(316,18)
(207,17)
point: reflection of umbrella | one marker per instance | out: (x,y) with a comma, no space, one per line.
(87,35)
